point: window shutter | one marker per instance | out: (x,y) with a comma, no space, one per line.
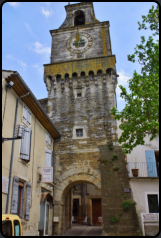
(48,139)
(28,117)
(14,203)
(48,158)
(28,201)
(22,204)
(26,145)
(25,111)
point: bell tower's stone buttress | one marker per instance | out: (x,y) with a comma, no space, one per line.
(81,81)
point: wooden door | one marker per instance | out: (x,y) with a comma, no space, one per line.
(96,210)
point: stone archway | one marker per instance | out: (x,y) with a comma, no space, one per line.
(63,192)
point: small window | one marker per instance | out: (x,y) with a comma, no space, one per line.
(16,228)
(20,201)
(48,139)
(79,132)
(79,95)
(153,203)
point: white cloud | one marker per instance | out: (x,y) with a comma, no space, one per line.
(39,68)
(28,28)
(14,4)
(10,57)
(46,13)
(40,49)
(123,78)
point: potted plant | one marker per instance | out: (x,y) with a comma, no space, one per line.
(135,171)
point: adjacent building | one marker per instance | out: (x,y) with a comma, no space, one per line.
(145,184)
(30,173)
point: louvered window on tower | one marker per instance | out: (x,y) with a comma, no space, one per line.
(27,116)
(79,132)
(26,145)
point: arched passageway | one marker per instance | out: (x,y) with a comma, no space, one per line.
(90,185)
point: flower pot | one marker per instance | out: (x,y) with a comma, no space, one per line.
(135,172)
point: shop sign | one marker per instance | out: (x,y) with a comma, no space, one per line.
(47,174)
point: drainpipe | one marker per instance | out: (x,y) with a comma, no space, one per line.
(12,152)
(53,175)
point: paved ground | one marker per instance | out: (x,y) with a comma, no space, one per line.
(84,231)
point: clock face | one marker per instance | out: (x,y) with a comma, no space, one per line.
(79,43)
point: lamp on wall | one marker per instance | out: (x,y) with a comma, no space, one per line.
(10,84)
(19,134)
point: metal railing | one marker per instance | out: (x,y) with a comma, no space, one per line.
(150,169)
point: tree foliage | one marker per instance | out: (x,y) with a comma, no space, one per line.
(141,112)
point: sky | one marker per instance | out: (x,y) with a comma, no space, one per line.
(26,40)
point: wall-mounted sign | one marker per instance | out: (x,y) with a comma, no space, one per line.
(47,174)
(4,184)
(150,224)
(127,190)
(150,217)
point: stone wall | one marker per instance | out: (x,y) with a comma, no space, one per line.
(113,183)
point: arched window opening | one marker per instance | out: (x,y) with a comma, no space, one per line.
(66,76)
(99,73)
(74,75)
(58,77)
(83,74)
(91,73)
(108,71)
(79,18)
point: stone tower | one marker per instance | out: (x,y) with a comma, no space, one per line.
(81,81)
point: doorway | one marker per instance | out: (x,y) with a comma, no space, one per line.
(44,218)
(96,210)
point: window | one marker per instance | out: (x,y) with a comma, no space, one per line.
(79,95)
(20,199)
(27,116)
(7,228)
(79,132)
(153,203)
(16,228)
(17,203)
(48,162)
(26,145)
(48,139)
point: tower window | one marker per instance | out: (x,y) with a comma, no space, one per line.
(79,132)
(79,18)
(79,95)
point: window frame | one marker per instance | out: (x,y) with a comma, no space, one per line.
(78,132)
(146,199)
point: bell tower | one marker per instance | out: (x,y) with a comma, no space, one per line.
(81,80)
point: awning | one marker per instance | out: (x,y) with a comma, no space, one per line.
(48,195)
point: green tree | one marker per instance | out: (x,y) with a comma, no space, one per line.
(141,112)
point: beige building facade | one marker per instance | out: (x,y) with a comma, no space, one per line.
(145,186)
(29,197)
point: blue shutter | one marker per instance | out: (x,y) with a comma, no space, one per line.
(14,203)
(26,145)
(151,163)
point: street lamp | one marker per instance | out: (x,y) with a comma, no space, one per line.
(19,134)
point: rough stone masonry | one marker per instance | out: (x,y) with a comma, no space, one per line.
(81,82)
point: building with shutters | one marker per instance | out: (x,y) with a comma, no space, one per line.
(30,197)
(145,185)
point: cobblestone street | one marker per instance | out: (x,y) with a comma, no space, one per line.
(84,231)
